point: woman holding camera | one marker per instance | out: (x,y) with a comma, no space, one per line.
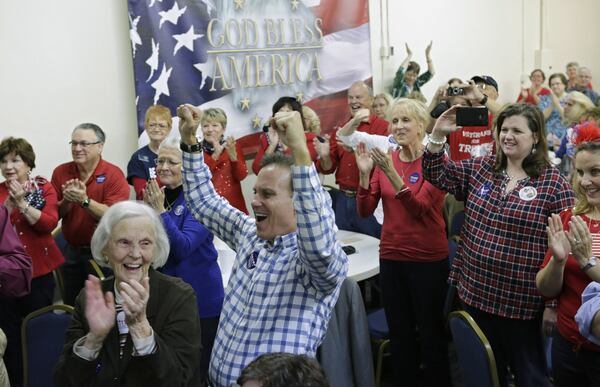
(508,199)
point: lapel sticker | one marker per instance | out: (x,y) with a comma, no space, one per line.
(412,179)
(179,210)
(527,193)
(100,179)
(485,190)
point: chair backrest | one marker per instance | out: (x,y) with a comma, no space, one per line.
(452,246)
(43,339)
(456,223)
(475,355)
(97,270)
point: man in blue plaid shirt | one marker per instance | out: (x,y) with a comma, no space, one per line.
(289,265)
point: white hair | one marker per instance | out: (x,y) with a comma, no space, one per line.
(126,210)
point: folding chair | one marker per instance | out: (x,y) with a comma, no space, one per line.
(475,356)
(42,340)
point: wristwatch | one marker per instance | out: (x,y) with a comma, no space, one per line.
(591,262)
(85,203)
(190,148)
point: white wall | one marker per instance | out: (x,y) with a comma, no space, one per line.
(497,38)
(69,61)
(63,63)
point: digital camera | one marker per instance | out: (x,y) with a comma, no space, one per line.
(453,91)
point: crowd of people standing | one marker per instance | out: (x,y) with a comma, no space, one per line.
(527,177)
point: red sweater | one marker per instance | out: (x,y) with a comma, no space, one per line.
(227,175)
(343,162)
(37,238)
(529,99)
(413,225)
(574,282)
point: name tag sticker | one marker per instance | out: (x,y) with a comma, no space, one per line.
(100,179)
(527,193)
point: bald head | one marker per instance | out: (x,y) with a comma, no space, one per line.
(360,96)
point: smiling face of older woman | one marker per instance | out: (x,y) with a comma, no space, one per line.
(131,247)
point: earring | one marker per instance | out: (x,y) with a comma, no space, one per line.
(533,149)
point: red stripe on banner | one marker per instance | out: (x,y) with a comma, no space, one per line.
(332,110)
(339,15)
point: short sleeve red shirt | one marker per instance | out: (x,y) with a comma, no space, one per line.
(574,282)
(472,141)
(107,185)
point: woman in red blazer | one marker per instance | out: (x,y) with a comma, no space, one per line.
(32,205)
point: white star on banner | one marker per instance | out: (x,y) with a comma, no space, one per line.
(186,40)
(152,61)
(171,15)
(133,34)
(152,3)
(206,69)
(161,85)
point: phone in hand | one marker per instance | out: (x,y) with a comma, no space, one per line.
(472,116)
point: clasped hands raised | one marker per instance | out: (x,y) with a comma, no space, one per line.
(100,309)
(577,240)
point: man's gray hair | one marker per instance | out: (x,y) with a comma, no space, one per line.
(362,84)
(126,210)
(582,69)
(172,143)
(97,130)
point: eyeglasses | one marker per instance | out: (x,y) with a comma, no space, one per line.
(169,163)
(84,144)
(154,125)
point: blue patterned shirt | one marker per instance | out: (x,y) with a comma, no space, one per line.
(280,294)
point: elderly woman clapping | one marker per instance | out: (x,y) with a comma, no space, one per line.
(140,327)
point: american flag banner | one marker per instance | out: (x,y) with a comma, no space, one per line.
(242,55)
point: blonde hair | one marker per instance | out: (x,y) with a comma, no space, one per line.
(414,109)
(416,94)
(582,103)
(582,206)
(215,115)
(314,123)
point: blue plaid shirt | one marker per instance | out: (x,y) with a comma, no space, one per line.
(280,295)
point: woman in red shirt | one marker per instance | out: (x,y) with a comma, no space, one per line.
(413,250)
(269,141)
(224,158)
(32,205)
(571,264)
(533,94)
